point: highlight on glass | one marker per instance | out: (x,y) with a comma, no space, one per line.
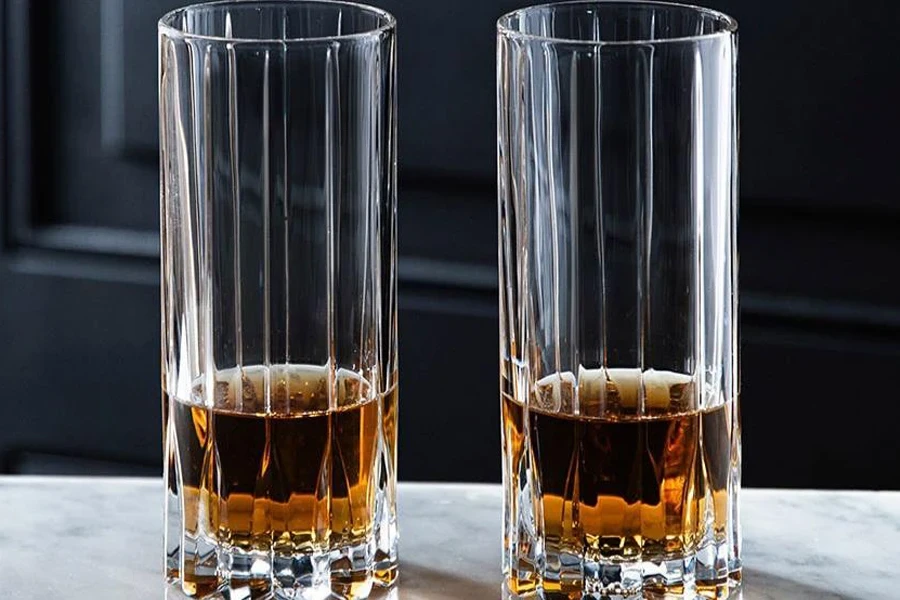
(618,284)
(279,299)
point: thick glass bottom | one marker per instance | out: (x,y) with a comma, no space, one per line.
(675,579)
(386,536)
(386,572)
(342,574)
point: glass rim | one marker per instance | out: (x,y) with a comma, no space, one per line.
(729,23)
(165,25)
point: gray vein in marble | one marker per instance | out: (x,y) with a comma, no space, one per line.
(100,539)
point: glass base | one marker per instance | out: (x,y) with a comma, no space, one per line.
(642,580)
(231,574)
(386,572)
(351,572)
(385,563)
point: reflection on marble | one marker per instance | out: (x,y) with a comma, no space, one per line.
(100,539)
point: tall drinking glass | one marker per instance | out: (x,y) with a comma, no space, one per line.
(619,362)
(279,304)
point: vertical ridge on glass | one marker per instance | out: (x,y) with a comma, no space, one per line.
(233,147)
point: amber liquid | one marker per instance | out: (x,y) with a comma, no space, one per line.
(629,477)
(296,476)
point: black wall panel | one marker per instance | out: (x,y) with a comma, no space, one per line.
(819,241)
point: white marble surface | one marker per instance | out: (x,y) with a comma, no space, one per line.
(100,539)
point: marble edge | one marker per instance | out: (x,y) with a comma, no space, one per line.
(24,480)
(78,479)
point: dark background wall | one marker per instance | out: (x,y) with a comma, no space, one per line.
(819,239)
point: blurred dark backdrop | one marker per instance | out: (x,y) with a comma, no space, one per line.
(819,239)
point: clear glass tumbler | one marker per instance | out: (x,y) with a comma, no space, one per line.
(279,298)
(619,359)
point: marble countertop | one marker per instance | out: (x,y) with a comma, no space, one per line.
(100,539)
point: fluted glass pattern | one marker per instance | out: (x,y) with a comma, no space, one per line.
(619,361)
(279,303)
